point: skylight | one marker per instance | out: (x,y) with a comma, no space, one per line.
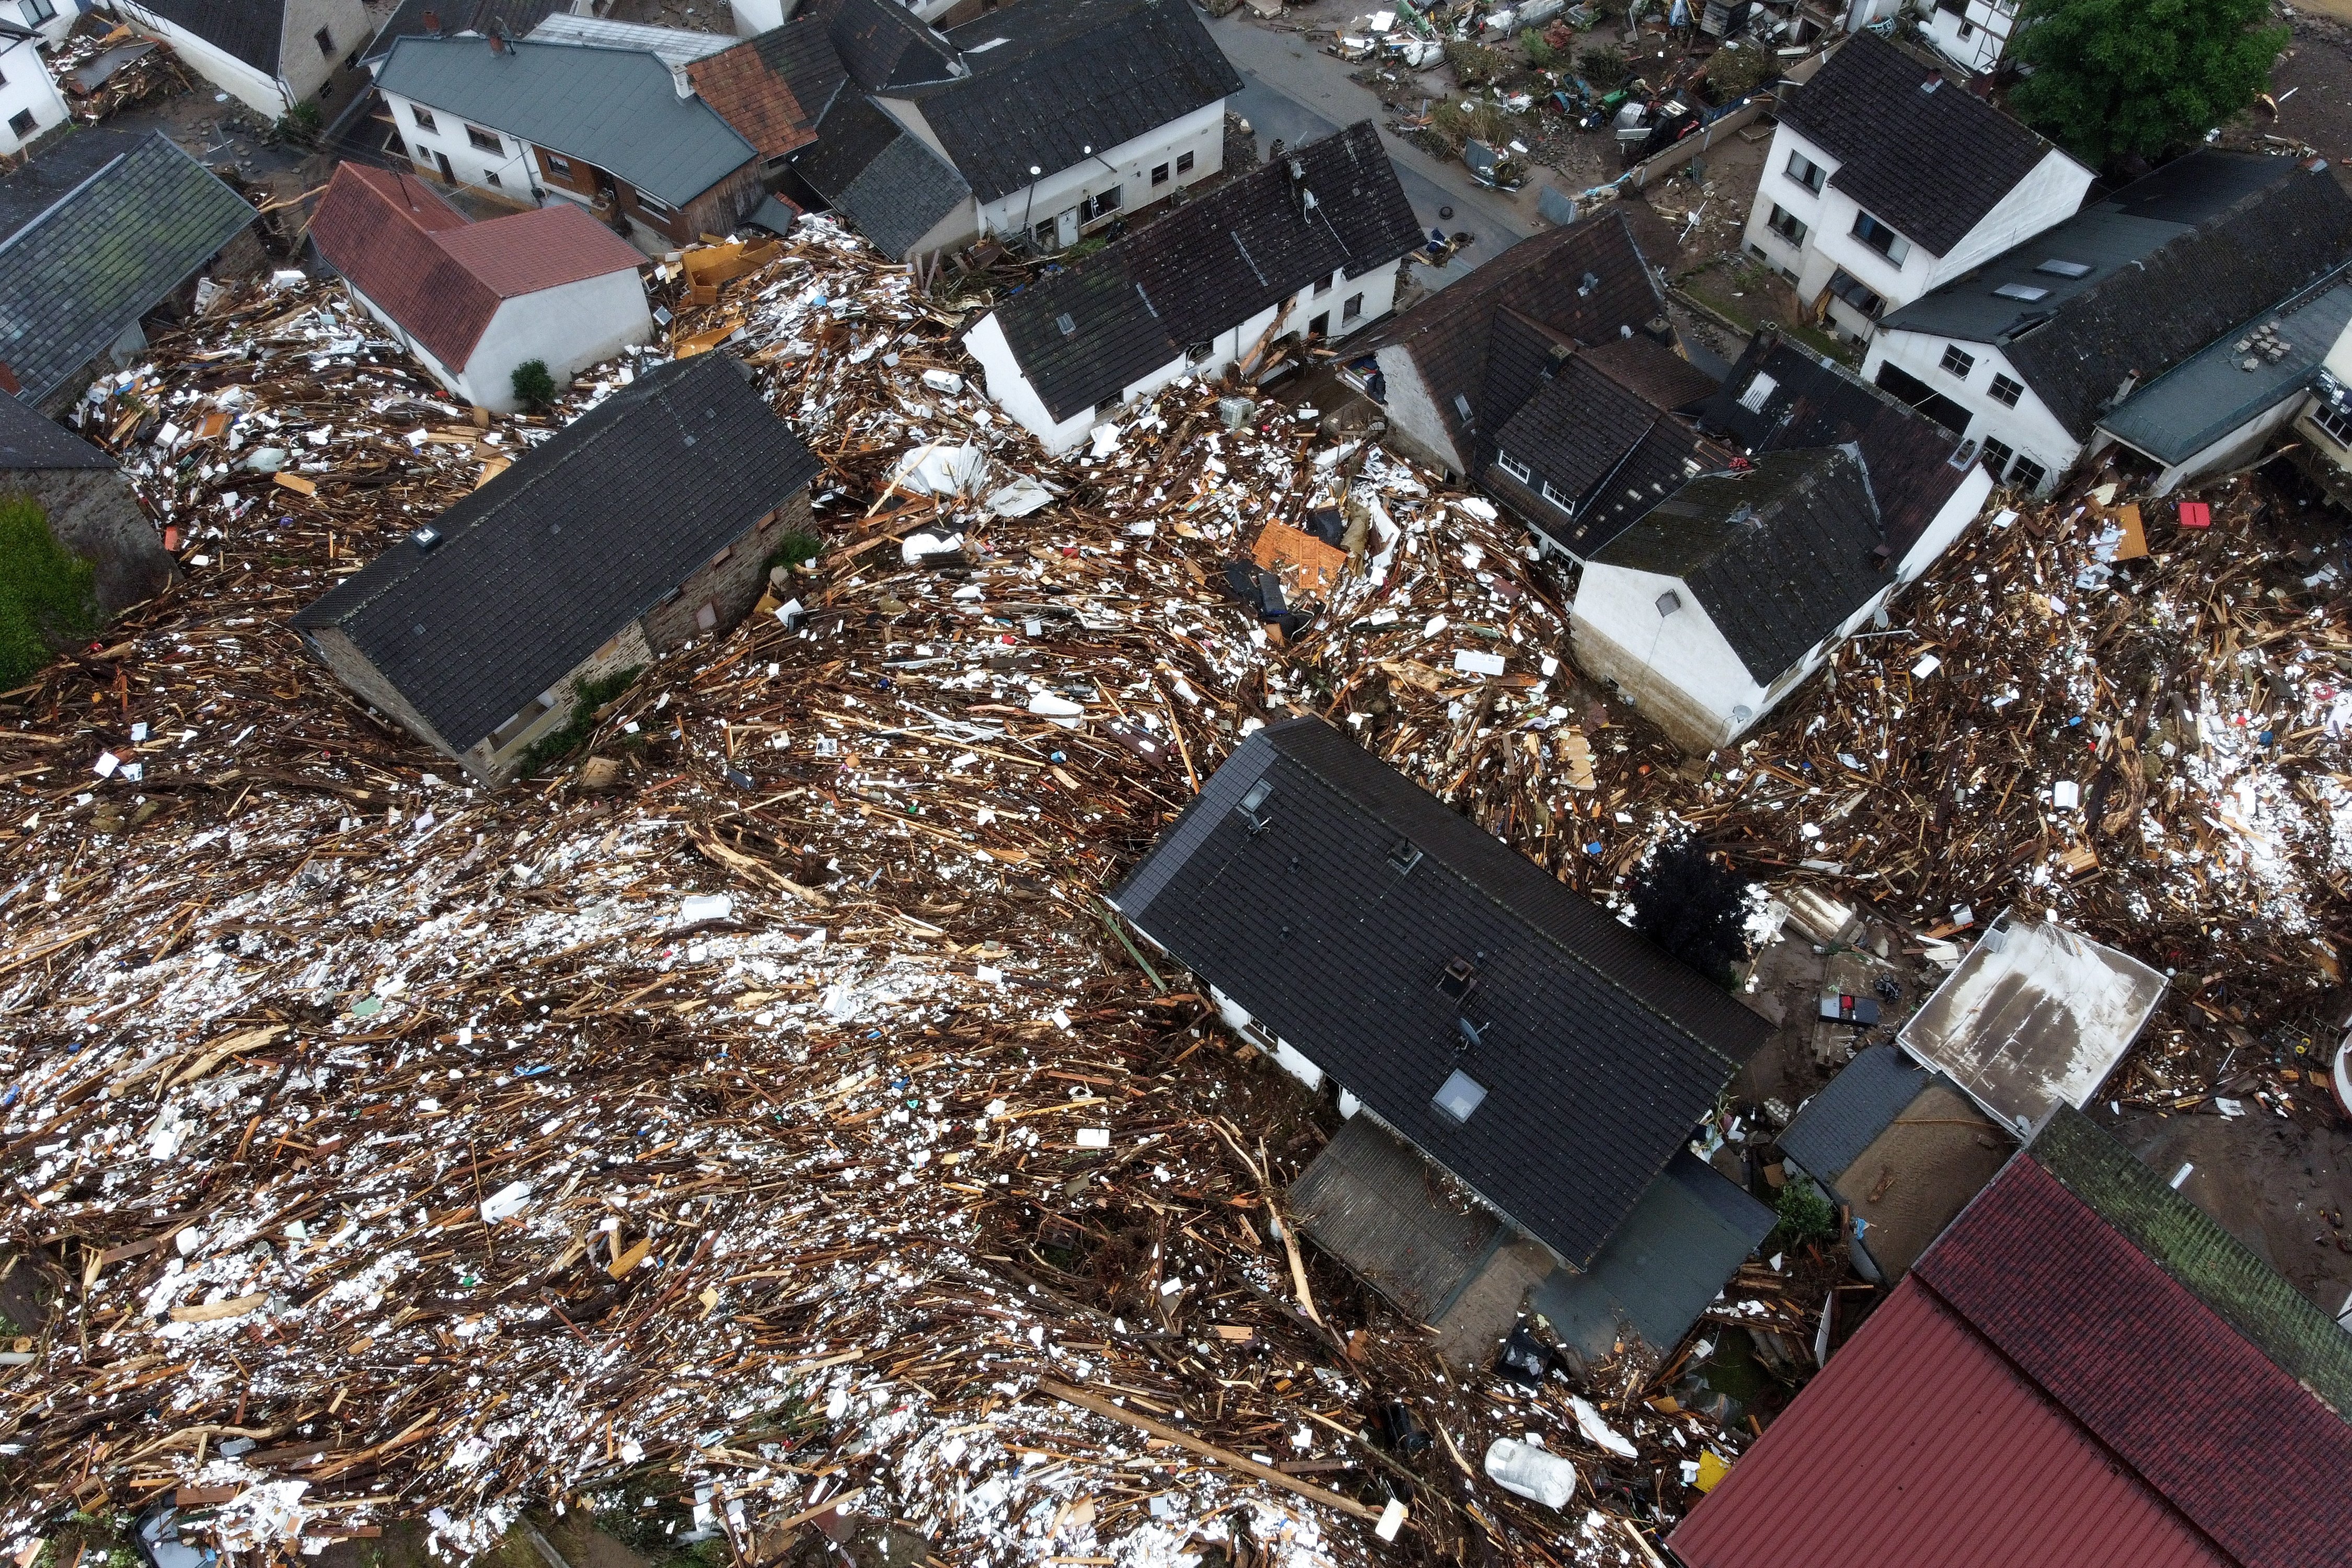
(2057,268)
(1068,325)
(1759,391)
(2021,291)
(1460,1095)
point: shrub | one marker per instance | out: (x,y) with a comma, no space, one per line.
(47,598)
(1805,1214)
(1475,64)
(587,696)
(534,388)
(795,548)
(1540,55)
(1456,125)
(1735,73)
(1603,67)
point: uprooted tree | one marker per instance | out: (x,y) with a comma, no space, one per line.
(2110,80)
(46,597)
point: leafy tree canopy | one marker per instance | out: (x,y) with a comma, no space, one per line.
(1693,906)
(45,597)
(2117,79)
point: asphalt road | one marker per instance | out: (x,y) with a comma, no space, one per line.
(1294,91)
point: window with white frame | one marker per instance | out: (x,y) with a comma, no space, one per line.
(1557,499)
(1881,238)
(1512,466)
(487,141)
(2334,422)
(423,116)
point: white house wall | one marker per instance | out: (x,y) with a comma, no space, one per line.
(569,327)
(1009,390)
(1678,669)
(1415,422)
(753,18)
(1985,28)
(2231,451)
(258,91)
(53,31)
(303,69)
(1128,165)
(25,86)
(2030,429)
(510,171)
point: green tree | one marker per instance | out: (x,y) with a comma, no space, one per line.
(45,595)
(2117,79)
(533,387)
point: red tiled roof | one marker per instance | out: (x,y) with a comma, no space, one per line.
(1918,1447)
(2039,1390)
(755,97)
(441,277)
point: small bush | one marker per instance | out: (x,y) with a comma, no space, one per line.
(47,598)
(534,388)
(1475,64)
(1603,67)
(587,696)
(796,548)
(1541,54)
(1735,73)
(1805,1214)
(1481,121)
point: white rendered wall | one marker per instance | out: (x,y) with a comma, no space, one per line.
(1967,501)
(28,85)
(1682,651)
(303,69)
(516,169)
(2046,197)
(1415,422)
(1988,34)
(2030,429)
(262,94)
(1128,165)
(753,18)
(571,327)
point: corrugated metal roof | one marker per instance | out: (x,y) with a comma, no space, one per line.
(618,108)
(1918,1445)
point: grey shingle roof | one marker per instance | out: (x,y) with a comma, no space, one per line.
(618,108)
(1598,1051)
(91,258)
(1780,555)
(1837,1124)
(881,44)
(251,30)
(1691,1230)
(882,179)
(1206,267)
(2176,260)
(540,567)
(1931,163)
(28,441)
(1070,74)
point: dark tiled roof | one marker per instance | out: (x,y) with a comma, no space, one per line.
(140,218)
(1837,1124)
(1815,403)
(516,18)
(1691,1230)
(30,442)
(248,30)
(1779,556)
(1932,164)
(2176,260)
(882,45)
(587,532)
(1612,454)
(885,180)
(1208,265)
(1598,1053)
(773,88)
(1447,334)
(1071,74)
(2163,1380)
(1651,370)
(618,108)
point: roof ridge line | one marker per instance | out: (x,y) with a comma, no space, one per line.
(37,219)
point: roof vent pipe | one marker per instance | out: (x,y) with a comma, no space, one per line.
(498,42)
(432,23)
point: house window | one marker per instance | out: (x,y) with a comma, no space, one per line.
(1558,499)
(487,141)
(1857,293)
(2027,475)
(1353,309)
(490,176)
(1957,364)
(507,734)
(706,615)
(21,122)
(1968,31)
(1807,173)
(423,116)
(37,12)
(1183,163)
(1158,173)
(2006,392)
(557,164)
(2335,422)
(326,42)
(1881,238)
(1787,225)
(657,208)
(1200,352)
(1323,285)
(1997,455)
(1099,206)
(1512,466)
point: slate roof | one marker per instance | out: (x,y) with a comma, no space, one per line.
(1868,109)
(1653,372)
(1599,1052)
(29,442)
(878,175)
(1612,453)
(1779,556)
(1690,1232)
(1845,1118)
(584,533)
(1069,75)
(775,88)
(2176,260)
(2092,1373)
(1816,402)
(441,277)
(1448,334)
(884,46)
(100,229)
(1206,267)
(516,18)
(250,30)
(617,108)
(2221,386)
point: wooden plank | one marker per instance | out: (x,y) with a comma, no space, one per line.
(1191,1444)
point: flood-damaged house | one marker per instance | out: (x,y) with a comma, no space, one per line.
(101,230)
(30,102)
(474,302)
(1038,122)
(1720,599)
(268,55)
(1519,1073)
(89,507)
(1302,250)
(2084,1369)
(651,519)
(2041,355)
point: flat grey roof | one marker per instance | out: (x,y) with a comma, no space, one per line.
(2211,393)
(618,108)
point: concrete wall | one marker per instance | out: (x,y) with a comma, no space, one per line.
(2029,430)
(92,512)
(753,18)
(53,30)
(27,87)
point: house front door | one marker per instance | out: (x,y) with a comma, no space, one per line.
(1066,229)
(448,174)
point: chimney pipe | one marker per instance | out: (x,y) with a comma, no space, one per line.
(432,23)
(497,42)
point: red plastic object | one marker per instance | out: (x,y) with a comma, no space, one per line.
(2195,514)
